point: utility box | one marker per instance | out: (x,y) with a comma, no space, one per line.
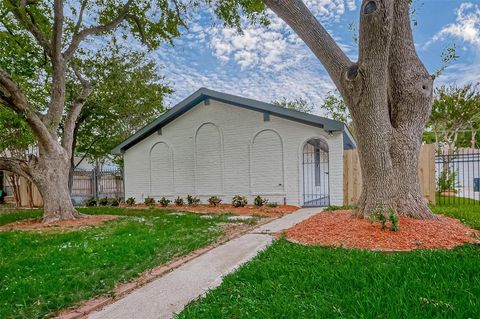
(476,184)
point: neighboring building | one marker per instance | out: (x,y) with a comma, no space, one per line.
(219,144)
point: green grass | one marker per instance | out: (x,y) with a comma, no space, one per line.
(42,272)
(466,210)
(294,281)
(15,215)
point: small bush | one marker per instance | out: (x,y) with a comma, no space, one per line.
(130,201)
(332,208)
(149,201)
(193,200)
(272,204)
(164,202)
(393,217)
(90,202)
(103,201)
(381,216)
(214,200)
(239,201)
(113,202)
(447,181)
(179,201)
(378,215)
(259,201)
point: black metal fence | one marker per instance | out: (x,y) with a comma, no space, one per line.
(457,175)
(97,184)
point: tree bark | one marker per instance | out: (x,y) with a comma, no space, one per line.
(49,170)
(51,177)
(388,93)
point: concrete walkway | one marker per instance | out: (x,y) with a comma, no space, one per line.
(169,294)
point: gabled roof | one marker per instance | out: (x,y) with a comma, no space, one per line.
(205,94)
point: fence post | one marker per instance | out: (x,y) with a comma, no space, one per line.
(95,183)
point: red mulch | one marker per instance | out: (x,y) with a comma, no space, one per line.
(37,224)
(264,211)
(341,229)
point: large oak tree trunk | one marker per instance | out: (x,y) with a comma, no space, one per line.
(51,178)
(388,92)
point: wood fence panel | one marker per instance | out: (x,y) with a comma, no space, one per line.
(352,175)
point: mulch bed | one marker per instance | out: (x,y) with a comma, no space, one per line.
(342,229)
(68,225)
(249,210)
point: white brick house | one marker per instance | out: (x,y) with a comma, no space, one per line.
(214,143)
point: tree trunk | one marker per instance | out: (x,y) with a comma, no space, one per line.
(14,180)
(51,177)
(388,92)
(30,193)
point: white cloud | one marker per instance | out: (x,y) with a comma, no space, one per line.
(253,83)
(273,47)
(466,26)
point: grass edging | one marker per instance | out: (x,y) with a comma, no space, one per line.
(87,307)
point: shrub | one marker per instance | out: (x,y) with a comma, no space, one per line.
(113,202)
(393,217)
(149,201)
(179,201)
(332,208)
(130,201)
(272,204)
(214,200)
(90,202)
(103,201)
(164,202)
(378,215)
(259,201)
(447,181)
(381,216)
(239,201)
(193,200)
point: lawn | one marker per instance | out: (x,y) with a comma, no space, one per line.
(46,271)
(294,281)
(467,210)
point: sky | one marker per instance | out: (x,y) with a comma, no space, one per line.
(270,62)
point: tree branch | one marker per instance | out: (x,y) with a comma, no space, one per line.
(406,71)
(376,20)
(12,97)
(57,102)
(296,14)
(29,23)
(80,17)
(136,20)
(82,35)
(72,117)
(16,166)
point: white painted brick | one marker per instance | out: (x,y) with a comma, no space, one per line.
(238,127)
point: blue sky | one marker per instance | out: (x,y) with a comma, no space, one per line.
(268,63)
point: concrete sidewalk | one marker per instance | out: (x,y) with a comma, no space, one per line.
(169,294)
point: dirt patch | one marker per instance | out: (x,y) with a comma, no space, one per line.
(250,210)
(341,229)
(65,225)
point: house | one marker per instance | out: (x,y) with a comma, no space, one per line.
(214,143)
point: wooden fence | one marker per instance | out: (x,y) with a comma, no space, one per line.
(352,175)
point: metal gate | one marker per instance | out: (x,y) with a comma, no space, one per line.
(457,175)
(97,184)
(316,189)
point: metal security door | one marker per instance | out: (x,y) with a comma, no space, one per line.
(316,190)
